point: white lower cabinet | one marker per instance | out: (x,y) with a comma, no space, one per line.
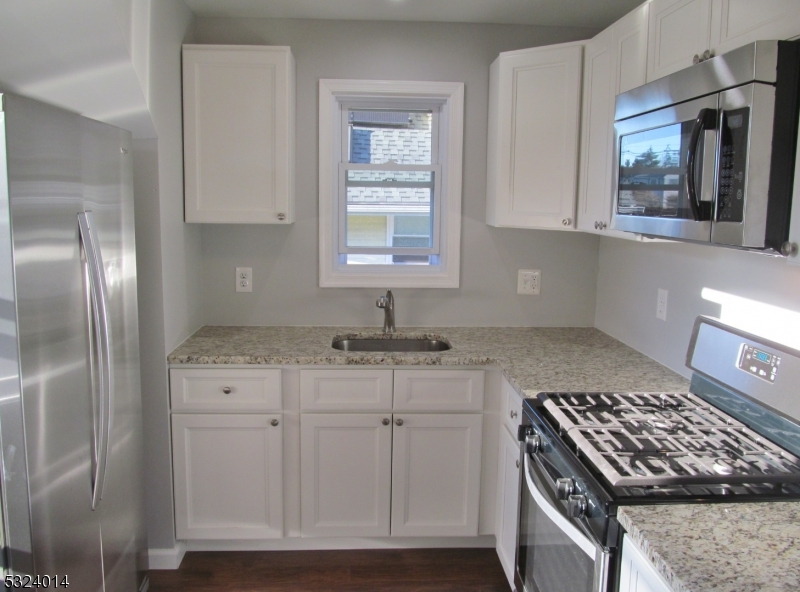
(436,481)
(508,483)
(345,474)
(380,475)
(228,476)
(636,573)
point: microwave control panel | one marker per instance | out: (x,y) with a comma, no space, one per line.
(759,363)
(735,130)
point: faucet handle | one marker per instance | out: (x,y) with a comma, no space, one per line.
(382,302)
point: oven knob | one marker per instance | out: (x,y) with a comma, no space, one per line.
(564,487)
(576,506)
(532,443)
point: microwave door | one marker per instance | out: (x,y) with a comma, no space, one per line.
(746,145)
(663,166)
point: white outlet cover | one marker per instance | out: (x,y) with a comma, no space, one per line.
(244,279)
(661,304)
(528,281)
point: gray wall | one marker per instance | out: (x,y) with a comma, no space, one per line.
(631,273)
(285,259)
(168,256)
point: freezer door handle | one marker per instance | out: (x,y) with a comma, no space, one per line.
(98,296)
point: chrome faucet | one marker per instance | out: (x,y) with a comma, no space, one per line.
(387,304)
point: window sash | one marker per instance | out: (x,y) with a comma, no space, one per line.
(435,208)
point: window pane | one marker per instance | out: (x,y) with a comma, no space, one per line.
(421,178)
(367,205)
(378,136)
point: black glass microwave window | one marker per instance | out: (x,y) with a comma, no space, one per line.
(733,160)
(652,172)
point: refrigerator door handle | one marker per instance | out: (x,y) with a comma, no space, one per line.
(98,288)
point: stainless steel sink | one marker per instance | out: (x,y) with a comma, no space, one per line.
(391,345)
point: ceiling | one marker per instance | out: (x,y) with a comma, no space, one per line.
(574,13)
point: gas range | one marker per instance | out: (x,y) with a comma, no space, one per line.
(734,437)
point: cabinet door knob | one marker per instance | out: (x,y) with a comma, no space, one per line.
(602,225)
(566,221)
(386,421)
(513,414)
(227,390)
(517,463)
(696,59)
(596,225)
(281,216)
(398,422)
(274,422)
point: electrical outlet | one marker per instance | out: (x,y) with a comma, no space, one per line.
(244,279)
(661,305)
(529,281)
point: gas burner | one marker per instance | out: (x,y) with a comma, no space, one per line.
(665,424)
(644,439)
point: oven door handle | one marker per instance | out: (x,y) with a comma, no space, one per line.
(563,523)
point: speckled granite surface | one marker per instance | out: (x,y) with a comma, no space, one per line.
(720,547)
(533,359)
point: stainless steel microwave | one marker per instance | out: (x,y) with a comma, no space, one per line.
(707,154)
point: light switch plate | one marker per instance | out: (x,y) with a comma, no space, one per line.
(661,305)
(528,281)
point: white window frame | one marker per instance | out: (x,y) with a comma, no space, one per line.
(334,95)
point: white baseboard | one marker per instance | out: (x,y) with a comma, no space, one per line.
(167,558)
(331,543)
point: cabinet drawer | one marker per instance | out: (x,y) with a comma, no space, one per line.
(221,390)
(346,390)
(438,390)
(512,407)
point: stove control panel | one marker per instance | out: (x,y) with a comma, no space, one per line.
(759,362)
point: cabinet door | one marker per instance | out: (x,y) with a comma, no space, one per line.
(228,476)
(615,61)
(345,474)
(636,573)
(678,30)
(738,22)
(436,465)
(508,474)
(594,205)
(630,44)
(238,131)
(534,113)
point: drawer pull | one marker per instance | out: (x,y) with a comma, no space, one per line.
(227,390)
(274,423)
(517,463)
(513,414)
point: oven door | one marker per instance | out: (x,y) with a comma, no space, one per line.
(664,165)
(553,554)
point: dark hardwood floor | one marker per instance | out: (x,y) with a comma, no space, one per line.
(422,570)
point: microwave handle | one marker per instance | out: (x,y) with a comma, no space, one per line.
(706,119)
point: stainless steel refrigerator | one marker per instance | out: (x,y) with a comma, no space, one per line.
(70,401)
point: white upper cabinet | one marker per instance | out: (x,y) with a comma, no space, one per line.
(682,29)
(534,119)
(614,62)
(238,130)
(679,30)
(738,22)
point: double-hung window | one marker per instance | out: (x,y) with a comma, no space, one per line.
(390,183)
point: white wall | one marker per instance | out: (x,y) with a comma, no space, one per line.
(630,275)
(285,259)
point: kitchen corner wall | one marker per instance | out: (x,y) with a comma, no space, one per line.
(631,273)
(168,254)
(285,258)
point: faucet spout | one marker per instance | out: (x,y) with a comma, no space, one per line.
(387,304)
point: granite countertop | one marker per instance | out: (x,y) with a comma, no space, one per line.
(720,547)
(533,359)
